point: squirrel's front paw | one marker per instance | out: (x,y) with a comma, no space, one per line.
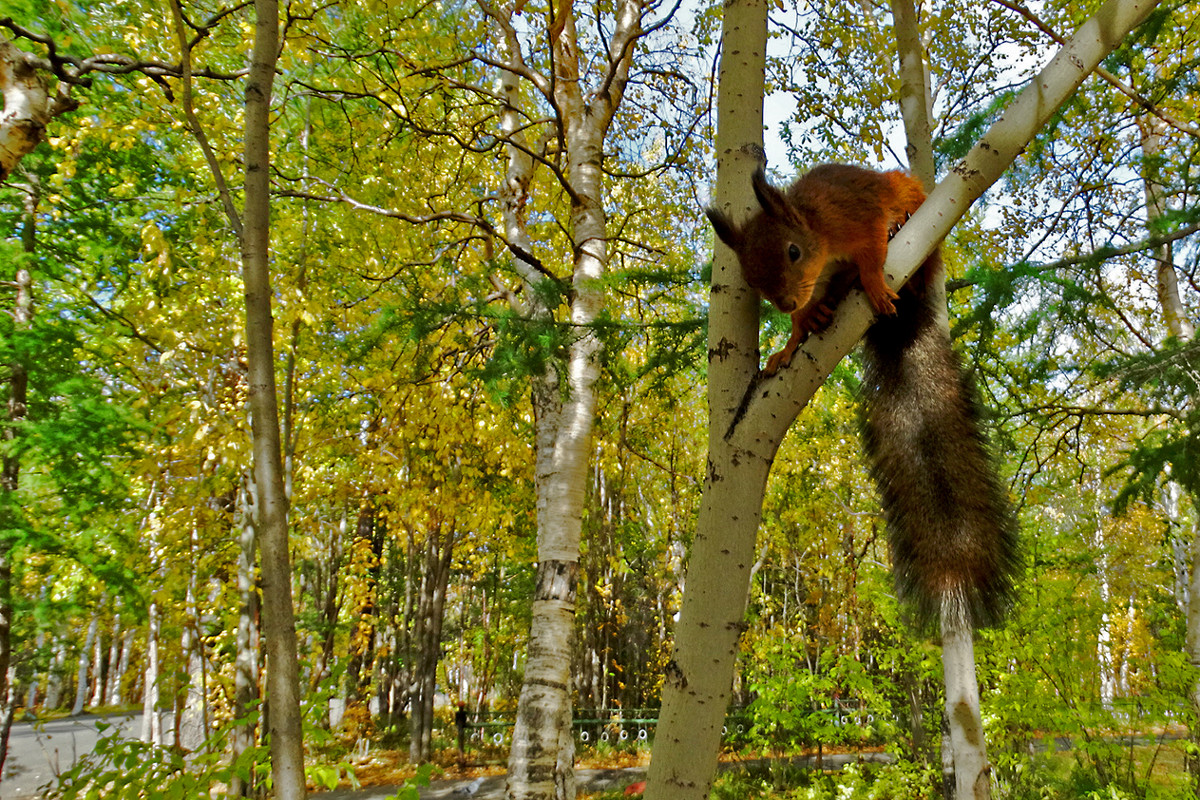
(881,300)
(779,360)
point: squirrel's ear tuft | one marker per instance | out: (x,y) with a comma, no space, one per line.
(773,201)
(727,232)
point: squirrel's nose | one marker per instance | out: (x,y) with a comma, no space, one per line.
(786,305)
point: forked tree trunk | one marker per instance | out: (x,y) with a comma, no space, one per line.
(749,415)
(541,761)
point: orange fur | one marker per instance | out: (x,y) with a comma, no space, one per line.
(808,245)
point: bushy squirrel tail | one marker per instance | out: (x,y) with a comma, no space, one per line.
(952,531)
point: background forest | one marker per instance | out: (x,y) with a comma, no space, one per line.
(412,325)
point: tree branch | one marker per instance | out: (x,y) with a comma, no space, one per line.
(1113,80)
(193,122)
(1103,253)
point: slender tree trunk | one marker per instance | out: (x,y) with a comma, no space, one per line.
(699,677)
(151,721)
(972,773)
(271,503)
(112,680)
(246,667)
(97,698)
(81,675)
(54,676)
(541,761)
(1175,317)
(439,553)
(117,692)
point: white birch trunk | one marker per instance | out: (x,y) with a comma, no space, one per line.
(97,697)
(745,434)
(54,679)
(151,722)
(81,675)
(699,678)
(541,761)
(27,107)
(117,693)
(1175,317)
(1104,652)
(972,773)
(113,678)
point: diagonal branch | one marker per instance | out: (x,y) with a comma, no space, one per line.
(193,122)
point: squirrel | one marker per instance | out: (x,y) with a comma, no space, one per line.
(951,530)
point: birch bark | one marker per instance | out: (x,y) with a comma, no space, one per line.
(699,677)
(84,669)
(27,107)
(151,721)
(541,761)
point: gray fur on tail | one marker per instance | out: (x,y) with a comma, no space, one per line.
(952,531)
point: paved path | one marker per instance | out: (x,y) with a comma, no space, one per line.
(37,751)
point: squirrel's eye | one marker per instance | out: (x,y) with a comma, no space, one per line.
(793,252)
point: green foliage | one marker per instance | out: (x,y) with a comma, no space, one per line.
(901,780)
(1166,377)
(795,708)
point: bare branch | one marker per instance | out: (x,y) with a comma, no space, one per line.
(73,69)
(1149,243)
(483,224)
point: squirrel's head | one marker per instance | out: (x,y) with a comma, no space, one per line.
(780,255)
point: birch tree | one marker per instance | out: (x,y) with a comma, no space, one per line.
(750,414)
(541,762)
(968,748)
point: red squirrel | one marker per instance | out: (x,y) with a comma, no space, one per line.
(951,528)
(806,247)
